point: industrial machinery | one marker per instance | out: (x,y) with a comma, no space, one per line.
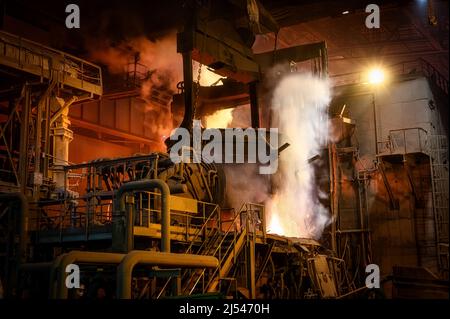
(143,227)
(121,215)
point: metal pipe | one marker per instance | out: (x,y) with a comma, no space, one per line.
(80,257)
(23,228)
(165,210)
(133,258)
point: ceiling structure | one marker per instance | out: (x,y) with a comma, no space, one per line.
(405,33)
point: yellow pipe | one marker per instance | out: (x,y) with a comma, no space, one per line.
(80,257)
(133,258)
(145,185)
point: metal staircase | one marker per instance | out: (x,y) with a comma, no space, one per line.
(225,245)
(438,149)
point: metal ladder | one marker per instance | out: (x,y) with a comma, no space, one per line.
(438,149)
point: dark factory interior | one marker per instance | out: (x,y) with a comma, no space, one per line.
(346,103)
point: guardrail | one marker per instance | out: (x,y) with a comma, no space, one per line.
(88,215)
(405,141)
(45,62)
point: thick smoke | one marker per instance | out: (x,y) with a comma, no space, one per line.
(245,185)
(164,68)
(159,70)
(299,110)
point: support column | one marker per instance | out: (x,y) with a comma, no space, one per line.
(333,194)
(254,104)
(37,174)
(24,130)
(185,46)
(251,264)
(188,90)
(46,148)
(62,136)
(251,267)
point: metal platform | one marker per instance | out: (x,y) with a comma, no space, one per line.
(37,60)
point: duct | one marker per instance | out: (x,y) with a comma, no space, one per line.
(78,257)
(23,220)
(133,258)
(165,212)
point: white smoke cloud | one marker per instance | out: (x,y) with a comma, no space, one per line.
(299,110)
(245,185)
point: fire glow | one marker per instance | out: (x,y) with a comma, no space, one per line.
(219,119)
(299,109)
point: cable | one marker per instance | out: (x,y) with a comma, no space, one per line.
(275,47)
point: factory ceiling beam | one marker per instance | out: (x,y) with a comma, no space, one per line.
(296,54)
(113,132)
(288,12)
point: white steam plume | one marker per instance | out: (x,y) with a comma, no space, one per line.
(245,185)
(299,109)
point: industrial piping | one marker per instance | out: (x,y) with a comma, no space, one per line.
(165,210)
(23,221)
(79,257)
(133,258)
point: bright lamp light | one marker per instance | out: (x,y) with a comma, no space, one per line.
(376,76)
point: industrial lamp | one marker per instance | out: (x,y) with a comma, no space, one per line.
(376,76)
